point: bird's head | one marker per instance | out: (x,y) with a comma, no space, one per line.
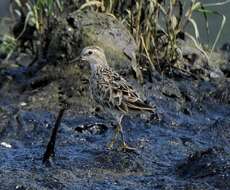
(94,55)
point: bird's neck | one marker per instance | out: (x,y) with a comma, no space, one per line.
(93,67)
(97,68)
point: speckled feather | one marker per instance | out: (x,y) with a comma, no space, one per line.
(110,90)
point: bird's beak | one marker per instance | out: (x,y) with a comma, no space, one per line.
(77,59)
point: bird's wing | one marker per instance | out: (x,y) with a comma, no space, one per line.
(123,96)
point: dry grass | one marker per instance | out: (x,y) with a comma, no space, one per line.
(156,25)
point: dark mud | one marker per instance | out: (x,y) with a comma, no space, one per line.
(186,148)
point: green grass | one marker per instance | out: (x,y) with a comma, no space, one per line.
(155,24)
(151,20)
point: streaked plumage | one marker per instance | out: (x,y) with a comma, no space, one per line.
(110,90)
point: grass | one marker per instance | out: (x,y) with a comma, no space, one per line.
(156,25)
(36,15)
(8,45)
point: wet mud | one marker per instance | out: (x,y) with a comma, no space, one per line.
(186,148)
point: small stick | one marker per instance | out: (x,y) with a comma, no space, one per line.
(50,146)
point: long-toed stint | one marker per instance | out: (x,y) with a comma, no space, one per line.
(112,92)
(109,90)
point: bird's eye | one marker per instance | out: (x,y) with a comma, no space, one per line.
(90,53)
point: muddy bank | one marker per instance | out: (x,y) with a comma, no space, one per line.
(185,147)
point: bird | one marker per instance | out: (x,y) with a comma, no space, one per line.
(112,92)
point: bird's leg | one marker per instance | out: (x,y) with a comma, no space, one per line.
(115,133)
(124,145)
(50,146)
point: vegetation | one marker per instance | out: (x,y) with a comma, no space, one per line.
(8,45)
(34,20)
(156,25)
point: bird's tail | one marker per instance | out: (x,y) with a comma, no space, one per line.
(141,106)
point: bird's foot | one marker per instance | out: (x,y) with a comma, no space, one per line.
(127,148)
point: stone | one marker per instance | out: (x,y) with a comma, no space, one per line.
(84,28)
